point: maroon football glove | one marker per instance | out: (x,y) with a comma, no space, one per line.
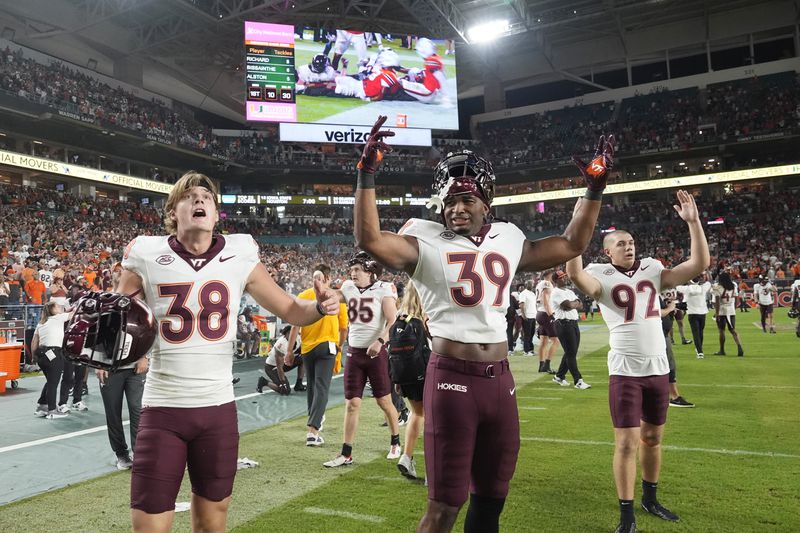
(596,172)
(375,148)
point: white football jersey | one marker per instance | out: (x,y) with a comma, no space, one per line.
(365,311)
(463,281)
(46,277)
(630,307)
(727,300)
(540,288)
(763,293)
(195,300)
(305,75)
(795,288)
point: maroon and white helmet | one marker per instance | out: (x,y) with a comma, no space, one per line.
(367,263)
(462,172)
(109,330)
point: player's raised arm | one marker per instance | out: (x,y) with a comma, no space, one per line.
(390,249)
(269,295)
(700,258)
(584,281)
(554,250)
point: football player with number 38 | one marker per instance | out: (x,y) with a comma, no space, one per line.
(627,290)
(193,280)
(462,267)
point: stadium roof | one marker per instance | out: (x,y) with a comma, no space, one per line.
(191,50)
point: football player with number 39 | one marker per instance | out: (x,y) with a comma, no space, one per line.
(371,309)
(638,392)
(193,280)
(462,268)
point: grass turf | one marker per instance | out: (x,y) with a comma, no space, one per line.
(717,474)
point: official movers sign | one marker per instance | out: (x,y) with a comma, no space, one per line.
(76,171)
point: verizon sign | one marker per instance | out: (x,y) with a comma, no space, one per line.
(326,133)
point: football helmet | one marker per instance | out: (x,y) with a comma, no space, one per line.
(109,330)
(388,59)
(367,263)
(462,172)
(794,313)
(319,63)
(425,47)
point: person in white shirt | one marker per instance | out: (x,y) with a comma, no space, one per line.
(527,307)
(627,291)
(46,347)
(765,293)
(725,295)
(280,360)
(695,296)
(548,340)
(566,305)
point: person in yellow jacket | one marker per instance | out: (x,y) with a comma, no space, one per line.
(321,349)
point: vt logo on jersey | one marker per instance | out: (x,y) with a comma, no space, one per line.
(197,263)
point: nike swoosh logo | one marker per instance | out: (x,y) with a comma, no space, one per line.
(645,268)
(511,392)
(223,259)
(493,236)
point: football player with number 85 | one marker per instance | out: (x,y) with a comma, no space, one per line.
(193,280)
(627,290)
(462,268)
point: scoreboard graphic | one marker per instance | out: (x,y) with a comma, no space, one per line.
(270,78)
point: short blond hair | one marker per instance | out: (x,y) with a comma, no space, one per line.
(191,179)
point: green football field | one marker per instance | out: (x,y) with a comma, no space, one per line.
(730,464)
(317,108)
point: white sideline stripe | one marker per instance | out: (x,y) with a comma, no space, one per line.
(387,478)
(538,398)
(729,386)
(345,514)
(722,451)
(533,408)
(56,438)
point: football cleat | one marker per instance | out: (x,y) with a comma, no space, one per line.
(680,402)
(124,462)
(407,466)
(79,406)
(582,385)
(560,381)
(656,509)
(626,528)
(395,451)
(339,460)
(314,440)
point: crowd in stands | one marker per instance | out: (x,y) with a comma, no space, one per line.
(660,120)
(82,237)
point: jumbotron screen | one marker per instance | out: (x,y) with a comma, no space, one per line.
(344,76)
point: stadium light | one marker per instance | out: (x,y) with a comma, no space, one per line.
(488,31)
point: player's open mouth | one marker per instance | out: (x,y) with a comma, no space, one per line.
(198,213)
